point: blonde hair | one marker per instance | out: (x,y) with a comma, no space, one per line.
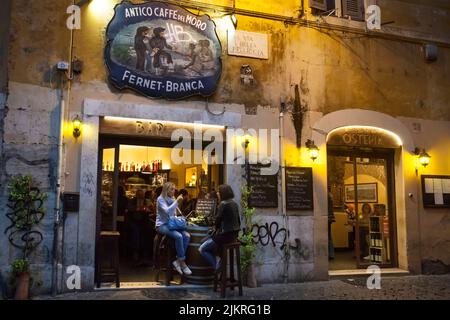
(165,188)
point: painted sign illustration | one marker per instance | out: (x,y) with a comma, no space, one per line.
(162,50)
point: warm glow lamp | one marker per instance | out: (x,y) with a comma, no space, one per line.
(76,123)
(313,151)
(424,157)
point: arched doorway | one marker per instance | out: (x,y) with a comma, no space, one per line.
(361,185)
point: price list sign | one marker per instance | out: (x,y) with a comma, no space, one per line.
(299,188)
(264,188)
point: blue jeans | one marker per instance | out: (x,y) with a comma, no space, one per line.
(181,238)
(208,250)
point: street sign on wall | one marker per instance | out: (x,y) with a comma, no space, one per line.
(162,50)
(248,44)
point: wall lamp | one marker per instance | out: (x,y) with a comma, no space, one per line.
(313,151)
(423,156)
(246,140)
(76,124)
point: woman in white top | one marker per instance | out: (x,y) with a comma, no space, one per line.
(166,206)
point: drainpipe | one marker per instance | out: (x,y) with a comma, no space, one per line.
(283,188)
(58,240)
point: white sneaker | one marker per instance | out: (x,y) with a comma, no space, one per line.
(177,266)
(187,271)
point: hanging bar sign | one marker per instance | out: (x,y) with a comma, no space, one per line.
(162,50)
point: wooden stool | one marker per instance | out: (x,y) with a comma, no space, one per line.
(230,250)
(164,254)
(108,250)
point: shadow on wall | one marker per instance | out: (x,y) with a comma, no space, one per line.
(435,267)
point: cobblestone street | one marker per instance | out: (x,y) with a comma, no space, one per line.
(392,288)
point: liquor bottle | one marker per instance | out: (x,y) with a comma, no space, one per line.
(132,167)
(143,166)
(160,164)
(127,167)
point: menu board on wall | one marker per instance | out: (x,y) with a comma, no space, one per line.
(264,188)
(205,207)
(299,188)
(435,191)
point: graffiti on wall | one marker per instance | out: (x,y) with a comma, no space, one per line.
(269,233)
(272,233)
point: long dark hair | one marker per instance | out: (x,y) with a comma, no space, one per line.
(225,192)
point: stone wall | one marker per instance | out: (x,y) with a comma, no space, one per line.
(29,147)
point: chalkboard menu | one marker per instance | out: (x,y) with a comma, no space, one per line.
(206,208)
(299,188)
(264,188)
(435,191)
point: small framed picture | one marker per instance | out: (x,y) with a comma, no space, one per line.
(367,192)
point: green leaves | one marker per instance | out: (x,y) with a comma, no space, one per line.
(26,210)
(248,247)
(20,266)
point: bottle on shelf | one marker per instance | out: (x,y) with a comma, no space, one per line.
(132,167)
(127,167)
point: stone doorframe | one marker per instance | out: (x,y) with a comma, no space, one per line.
(93,110)
(405,180)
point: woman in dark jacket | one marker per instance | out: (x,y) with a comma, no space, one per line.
(227,226)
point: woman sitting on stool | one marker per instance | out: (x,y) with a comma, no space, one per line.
(166,207)
(227,226)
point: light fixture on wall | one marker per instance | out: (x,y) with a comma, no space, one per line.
(313,151)
(423,156)
(76,124)
(246,140)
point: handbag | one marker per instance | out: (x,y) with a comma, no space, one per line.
(177,223)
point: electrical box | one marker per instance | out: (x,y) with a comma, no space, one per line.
(71,201)
(430,52)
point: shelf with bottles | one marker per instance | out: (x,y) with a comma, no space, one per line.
(376,254)
(376,239)
(145,167)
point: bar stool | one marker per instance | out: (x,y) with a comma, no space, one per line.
(164,254)
(229,250)
(108,250)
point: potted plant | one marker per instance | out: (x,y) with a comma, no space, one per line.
(248,247)
(26,212)
(20,269)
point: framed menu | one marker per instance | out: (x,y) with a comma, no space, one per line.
(299,188)
(264,188)
(435,191)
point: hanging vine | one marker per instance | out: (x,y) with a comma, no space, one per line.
(26,211)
